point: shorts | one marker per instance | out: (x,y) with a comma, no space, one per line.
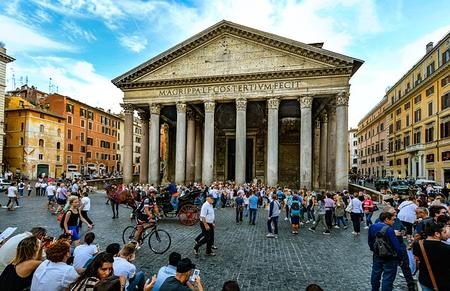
(295,219)
(51,198)
(61,201)
(75,232)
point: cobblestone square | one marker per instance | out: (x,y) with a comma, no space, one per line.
(336,262)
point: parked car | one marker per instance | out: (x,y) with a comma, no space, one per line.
(381,183)
(4,184)
(423,183)
(400,187)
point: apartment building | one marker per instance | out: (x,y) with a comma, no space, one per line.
(353,150)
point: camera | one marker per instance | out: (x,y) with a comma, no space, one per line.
(194,275)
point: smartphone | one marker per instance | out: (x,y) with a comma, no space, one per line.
(194,275)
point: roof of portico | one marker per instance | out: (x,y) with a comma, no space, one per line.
(337,63)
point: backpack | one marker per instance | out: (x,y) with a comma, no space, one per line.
(382,246)
(61,219)
(295,208)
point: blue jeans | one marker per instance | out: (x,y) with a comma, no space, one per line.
(369,218)
(387,268)
(246,210)
(425,288)
(275,225)
(137,281)
(253,215)
(339,220)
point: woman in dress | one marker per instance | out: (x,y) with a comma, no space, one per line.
(71,220)
(18,274)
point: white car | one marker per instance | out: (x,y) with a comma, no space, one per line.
(4,184)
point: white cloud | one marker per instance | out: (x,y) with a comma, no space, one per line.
(134,43)
(74,78)
(71,28)
(20,37)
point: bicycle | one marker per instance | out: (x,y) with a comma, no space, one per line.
(159,240)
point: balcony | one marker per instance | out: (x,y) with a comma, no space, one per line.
(415,148)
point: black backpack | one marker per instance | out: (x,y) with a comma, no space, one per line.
(382,246)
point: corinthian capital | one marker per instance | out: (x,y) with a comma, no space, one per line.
(317,122)
(324,118)
(273,103)
(143,115)
(241,104)
(210,106)
(306,101)
(342,98)
(190,114)
(155,109)
(127,108)
(181,107)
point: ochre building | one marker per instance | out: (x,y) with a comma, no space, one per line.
(244,105)
(418,118)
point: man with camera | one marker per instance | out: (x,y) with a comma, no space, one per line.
(186,278)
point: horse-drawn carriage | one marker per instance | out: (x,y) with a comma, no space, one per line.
(186,208)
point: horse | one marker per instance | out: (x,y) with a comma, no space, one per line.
(119,194)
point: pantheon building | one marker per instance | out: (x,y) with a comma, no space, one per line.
(235,103)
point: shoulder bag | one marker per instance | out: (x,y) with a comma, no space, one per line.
(427,263)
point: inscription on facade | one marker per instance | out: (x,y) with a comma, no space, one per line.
(235,88)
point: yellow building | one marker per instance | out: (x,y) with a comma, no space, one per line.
(418,118)
(34,139)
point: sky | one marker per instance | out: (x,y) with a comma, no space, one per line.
(76,47)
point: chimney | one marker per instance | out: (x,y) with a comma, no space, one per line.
(429,47)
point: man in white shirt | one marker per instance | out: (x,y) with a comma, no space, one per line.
(13,196)
(207,220)
(84,252)
(54,274)
(9,248)
(123,267)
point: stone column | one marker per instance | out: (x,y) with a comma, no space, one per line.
(165,155)
(128,144)
(323,151)
(143,174)
(190,147)
(180,160)
(342,141)
(155,133)
(198,150)
(420,174)
(413,165)
(208,144)
(316,155)
(410,165)
(305,142)
(241,139)
(272,141)
(331,167)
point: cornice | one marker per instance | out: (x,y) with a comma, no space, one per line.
(320,72)
(5,58)
(225,27)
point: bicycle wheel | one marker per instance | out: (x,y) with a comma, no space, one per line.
(128,234)
(159,241)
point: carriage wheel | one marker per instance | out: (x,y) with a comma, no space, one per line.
(188,214)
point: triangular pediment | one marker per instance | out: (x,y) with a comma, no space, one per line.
(231,55)
(229,49)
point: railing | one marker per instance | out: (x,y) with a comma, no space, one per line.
(376,195)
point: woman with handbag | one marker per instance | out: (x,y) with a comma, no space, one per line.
(356,210)
(433,255)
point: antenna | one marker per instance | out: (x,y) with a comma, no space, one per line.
(26,80)
(50,85)
(21,81)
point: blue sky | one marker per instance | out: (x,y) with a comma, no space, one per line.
(83,44)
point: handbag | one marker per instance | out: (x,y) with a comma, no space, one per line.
(374,208)
(430,271)
(349,207)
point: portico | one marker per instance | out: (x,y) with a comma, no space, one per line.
(243,105)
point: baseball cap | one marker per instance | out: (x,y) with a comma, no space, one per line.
(185,265)
(151,189)
(210,196)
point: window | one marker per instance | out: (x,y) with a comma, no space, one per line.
(391,146)
(41,143)
(70,147)
(88,155)
(417,99)
(430,69)
(41,128)
(82,112)
(430,108)
(90,125)
(69,159)
(58,132)
(58,145)
(89,141)
(391,163)
(407,140)
(69,134)
(69,119)
(398,125)
(417,115)
(58,158)
(21,141)
(391,128)
(82,123)
(407,120)
(445,129)
(446,56)
(419,79)
(445,101)
(429,91)
(445,81)
(69,108)
(429,158)
(21,126)
(41,156)
(81,160)
(407,105)
(405,161)
(41,116)
(446,156)
(417,136)
(429,134)
(83,149)
(82,136)
(399,110)
(398,162)
(90,115)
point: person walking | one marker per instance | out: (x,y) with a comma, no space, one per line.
(21,188)
(295,214)
(340,212)
(274,213)
(29,189)
(386,252)
(207,224)
(85,206)
(356,211)
(320,217)
(239,208)
(368,206)
(329,205)
(13,196)
(253,207)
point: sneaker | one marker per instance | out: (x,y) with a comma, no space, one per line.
(345,227)
(326,232)
(275,236)
(336,226)
(212,254)
(270,235)
(301,223)
(366,227)
(214,247)
(311,229)
(286,218)
(354,233)
(307,221)
(195,252)
(314,222)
